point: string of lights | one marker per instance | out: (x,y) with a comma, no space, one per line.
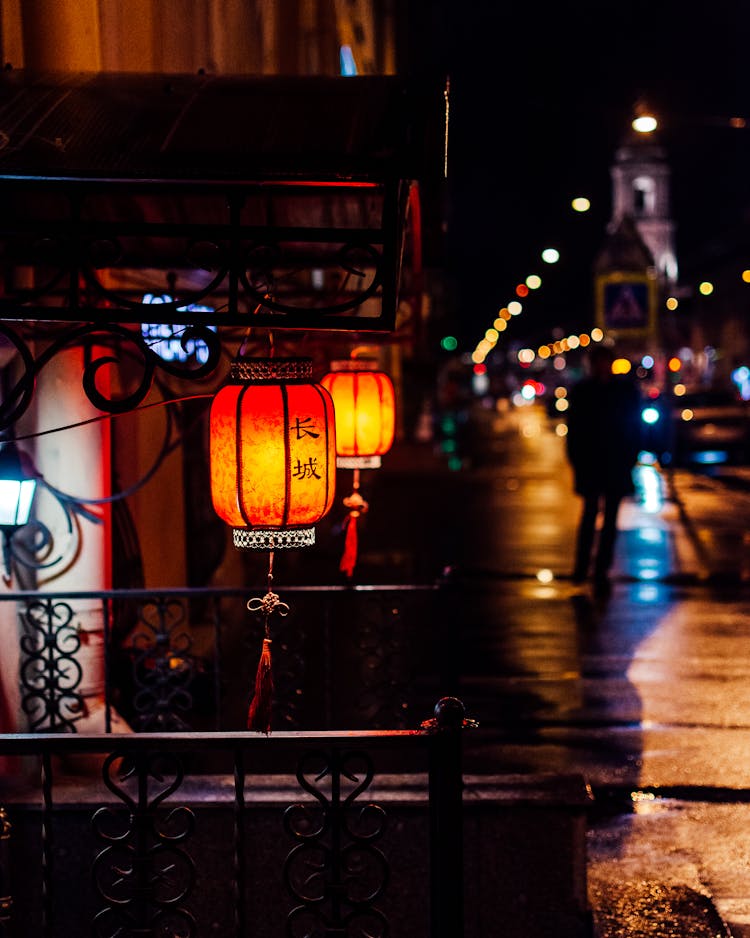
(533,282)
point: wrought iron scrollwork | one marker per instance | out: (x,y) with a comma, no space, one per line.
(118,337)
(336,873)
(50,672)
(143,874)
(270,271)
(163,666)
(201,254)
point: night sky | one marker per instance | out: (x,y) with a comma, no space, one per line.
(541,96)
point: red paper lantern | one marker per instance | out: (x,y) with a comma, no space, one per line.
(272,451)
(365,407)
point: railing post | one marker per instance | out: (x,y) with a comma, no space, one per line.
(446,819)
(6,897)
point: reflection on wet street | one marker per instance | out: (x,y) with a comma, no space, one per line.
(562,678)
(644,688)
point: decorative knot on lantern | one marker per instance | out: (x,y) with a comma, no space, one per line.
(259,711)
(355,503)
(272,453)
(269,604)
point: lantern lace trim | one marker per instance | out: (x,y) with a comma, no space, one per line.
(271,369)
(358,462)
(265,539)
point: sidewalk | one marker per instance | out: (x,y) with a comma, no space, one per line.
(687,546)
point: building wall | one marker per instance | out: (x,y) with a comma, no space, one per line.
(261,37)
(265,37)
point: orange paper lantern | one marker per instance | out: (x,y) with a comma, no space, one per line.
(365,407)
(272,452)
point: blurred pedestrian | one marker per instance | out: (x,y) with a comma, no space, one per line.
(603,442)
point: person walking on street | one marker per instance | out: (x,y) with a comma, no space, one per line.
(603,442)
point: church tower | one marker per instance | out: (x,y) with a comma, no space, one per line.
(637,264)
(641,191)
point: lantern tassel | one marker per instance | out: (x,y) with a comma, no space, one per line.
(349,557)
(259,714)
(357,506)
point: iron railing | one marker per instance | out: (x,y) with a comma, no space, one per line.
(353,657)
(292,838)
(178,667)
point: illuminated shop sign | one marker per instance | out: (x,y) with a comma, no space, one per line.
(166,338)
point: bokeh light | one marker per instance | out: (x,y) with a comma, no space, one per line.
(580,204)
(645,124)
(550,255)
(533,282)
(522,290)
(514,308)
(672,302)
(449,343)
(706,288)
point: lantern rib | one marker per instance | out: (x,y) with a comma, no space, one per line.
(238,460)
(380,384)
(287,456)
(355,428)
(329,428)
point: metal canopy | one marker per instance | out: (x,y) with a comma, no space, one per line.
(275,201)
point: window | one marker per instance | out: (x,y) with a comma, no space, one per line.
(644,196)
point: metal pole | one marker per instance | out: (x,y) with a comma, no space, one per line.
(446,820)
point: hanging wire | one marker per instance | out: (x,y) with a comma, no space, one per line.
(83,423)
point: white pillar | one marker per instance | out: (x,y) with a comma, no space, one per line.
(77,462)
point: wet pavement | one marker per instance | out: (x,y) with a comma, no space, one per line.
(643,688)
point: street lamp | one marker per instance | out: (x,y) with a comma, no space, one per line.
(644,121)
(16,496)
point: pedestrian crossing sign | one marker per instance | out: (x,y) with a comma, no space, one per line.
(626,304)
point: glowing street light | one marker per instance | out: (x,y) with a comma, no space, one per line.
(644,121)
(645,124)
